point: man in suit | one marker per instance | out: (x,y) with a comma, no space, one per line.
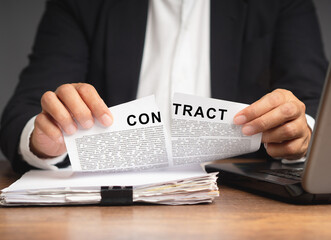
(90,54)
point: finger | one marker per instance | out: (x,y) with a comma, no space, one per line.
(276,117)
(94,102)
(293,149)
(260,107)
(45,124)
(54,107)
(289,131)
(46,139)
(69,96)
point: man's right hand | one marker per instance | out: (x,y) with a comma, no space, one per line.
(79,101)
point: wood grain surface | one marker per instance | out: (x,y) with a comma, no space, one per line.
(234,215)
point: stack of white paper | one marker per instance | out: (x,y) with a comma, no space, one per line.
(176,186)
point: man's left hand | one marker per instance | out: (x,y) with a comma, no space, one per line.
(281,118)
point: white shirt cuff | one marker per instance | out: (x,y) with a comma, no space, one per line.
(29,157)
(311,124)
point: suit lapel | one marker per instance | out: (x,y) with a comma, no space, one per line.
(227,19)
(126,27)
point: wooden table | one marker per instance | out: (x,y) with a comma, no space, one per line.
(234,215)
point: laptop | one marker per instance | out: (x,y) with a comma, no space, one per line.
(300,183)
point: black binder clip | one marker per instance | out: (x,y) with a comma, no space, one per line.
(116,196)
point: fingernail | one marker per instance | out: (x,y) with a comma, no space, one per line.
(88,124)
(265,145)
(106,120)
(248,130)
(71,129)
(239,120)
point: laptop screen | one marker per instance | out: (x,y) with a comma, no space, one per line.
(317,173)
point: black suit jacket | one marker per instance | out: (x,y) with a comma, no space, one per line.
(256,46)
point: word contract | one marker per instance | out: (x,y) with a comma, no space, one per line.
(201,130)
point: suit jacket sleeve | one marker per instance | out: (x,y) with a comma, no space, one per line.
(282,49)
(298,61)
(59,55)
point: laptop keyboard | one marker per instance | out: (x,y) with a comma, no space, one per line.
(294,173)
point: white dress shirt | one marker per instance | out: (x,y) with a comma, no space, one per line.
(176,52)
(175,59)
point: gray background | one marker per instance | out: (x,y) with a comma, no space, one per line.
(18,22)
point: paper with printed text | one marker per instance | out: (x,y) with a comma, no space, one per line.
(202,130)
